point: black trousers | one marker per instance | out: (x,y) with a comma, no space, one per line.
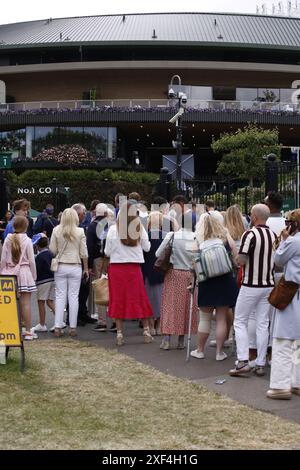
(83,297)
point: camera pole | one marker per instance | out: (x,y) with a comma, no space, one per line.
(179,152)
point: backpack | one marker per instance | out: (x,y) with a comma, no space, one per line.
(212,260)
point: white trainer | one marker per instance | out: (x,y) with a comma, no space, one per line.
(221,357)
(40,328)
(197,354)
(29,336)
(227,343)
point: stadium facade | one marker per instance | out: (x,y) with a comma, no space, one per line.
(93,91)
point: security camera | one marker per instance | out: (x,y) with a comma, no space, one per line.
(171,94)
(183,98)
(177,115)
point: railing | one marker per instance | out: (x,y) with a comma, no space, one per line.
(146,104)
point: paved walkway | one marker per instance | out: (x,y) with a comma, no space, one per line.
(249,391)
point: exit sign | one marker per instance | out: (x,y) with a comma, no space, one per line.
(5,161)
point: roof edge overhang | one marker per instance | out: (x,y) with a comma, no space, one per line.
(152,43)
(149,64)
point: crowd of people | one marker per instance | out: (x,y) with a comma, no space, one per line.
(66,155)
(243,259)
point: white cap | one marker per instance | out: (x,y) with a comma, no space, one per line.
(101,209)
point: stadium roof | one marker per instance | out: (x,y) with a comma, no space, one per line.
(214,29)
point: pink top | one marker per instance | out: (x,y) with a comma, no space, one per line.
(28,254)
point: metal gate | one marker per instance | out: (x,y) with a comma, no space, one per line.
(279,176)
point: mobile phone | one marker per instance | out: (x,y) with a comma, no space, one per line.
(291,225)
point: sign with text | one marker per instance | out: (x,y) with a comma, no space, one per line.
(5,161)
(10,328)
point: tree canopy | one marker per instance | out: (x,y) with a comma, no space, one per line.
(243,151)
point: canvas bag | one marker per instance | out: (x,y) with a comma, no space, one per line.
(101,291)
(212,260)
(55,261)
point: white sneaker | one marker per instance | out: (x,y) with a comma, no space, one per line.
(29,336)
(227,343)
(221,357)
(62,327)
(251,364)
(197,354)
(39,328)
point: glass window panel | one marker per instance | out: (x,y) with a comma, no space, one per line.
(95,141)
(286,95)
(44,138)
(13,141)
(246,94)
(269,95)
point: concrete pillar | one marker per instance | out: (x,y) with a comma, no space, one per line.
(2,92)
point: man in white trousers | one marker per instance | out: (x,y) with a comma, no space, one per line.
(257,256)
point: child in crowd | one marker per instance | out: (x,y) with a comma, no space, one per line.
(45,281)
(18,260)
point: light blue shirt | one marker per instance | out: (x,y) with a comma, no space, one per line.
(287,321)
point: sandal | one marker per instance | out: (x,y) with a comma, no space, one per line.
(120,338)
(147,336)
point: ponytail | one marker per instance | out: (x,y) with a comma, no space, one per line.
(15,248)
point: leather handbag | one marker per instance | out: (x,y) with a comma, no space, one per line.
(101,291)
(283,294)
(55,261)
(162,264)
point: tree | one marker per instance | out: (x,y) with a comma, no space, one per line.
(243,151)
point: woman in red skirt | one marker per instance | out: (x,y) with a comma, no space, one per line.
(125,244)
(176,296)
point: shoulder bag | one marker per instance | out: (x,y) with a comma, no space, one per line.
(283,294)
(55,261)
(162,264)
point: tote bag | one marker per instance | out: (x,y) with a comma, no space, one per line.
(101,291)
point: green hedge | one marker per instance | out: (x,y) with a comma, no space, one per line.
(85,185)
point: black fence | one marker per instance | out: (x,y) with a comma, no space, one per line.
(279,176)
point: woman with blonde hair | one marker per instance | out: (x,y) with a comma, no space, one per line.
(218,293)
(68,244)
(18,259)
(234,223)
(125,244)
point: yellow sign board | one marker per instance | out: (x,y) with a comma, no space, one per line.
(10,328)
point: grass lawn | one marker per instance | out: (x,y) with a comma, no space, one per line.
(77,396)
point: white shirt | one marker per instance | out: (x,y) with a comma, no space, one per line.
(276,224)
(183,248)
(120,253)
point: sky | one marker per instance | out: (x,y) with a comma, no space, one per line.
(20,10)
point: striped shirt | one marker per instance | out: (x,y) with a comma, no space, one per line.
(257,244)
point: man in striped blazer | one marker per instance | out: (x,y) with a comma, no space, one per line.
(257,256)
